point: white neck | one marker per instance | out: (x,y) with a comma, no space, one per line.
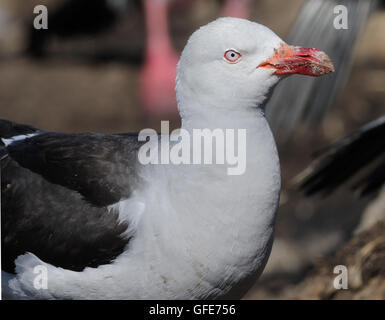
(224,222)
(213,118)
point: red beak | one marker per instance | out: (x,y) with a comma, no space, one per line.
(297,60)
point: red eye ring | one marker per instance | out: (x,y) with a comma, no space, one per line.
(232,56)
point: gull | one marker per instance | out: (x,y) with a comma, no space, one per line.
(82,214)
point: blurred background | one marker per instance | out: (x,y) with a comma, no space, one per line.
(109,66)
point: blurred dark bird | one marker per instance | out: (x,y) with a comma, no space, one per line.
(359,156)
(76,17)
(314,27)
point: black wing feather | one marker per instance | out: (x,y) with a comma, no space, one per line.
(55,188)
(9,129)
(347,157)
(54,223)
(100,167)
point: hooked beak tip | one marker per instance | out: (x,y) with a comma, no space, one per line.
(298,60)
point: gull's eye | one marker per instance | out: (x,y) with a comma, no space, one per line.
(232,56)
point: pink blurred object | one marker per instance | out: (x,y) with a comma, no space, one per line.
(236,8)
(157,79)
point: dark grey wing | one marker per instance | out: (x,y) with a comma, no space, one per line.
(55,189)
(100,167)
(361,153)
(9,129)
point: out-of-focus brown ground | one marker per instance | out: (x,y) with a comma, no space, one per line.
(73,93)
(364,258)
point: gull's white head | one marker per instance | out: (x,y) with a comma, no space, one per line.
(234,63)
